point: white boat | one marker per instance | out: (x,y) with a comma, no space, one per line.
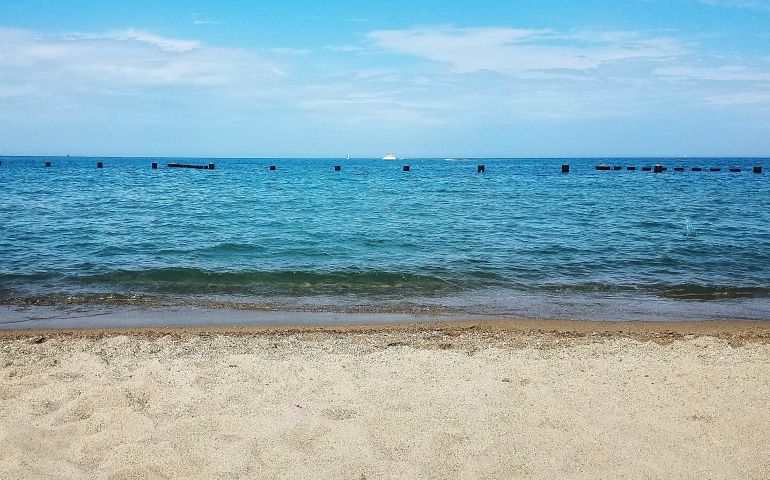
(390,156)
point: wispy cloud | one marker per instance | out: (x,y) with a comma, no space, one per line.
(729,73)
(759,5)
(345,48)
(169,44)
(198,20)
(512,51)
(751,98)
(123,59)
(289,51)
(409,83)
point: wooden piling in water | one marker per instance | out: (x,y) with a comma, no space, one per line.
(480,169)
(405,168)
(697,169)
(658,168)
(735,170)
(154,165)
(757,169)
(603,167)
(337,168)
(47,164)
(99,165)
(565,168)
(272,167)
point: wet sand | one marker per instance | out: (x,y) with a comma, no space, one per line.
(480,399)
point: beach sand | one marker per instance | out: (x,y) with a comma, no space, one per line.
(525,399)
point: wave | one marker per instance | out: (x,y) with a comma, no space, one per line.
(713,292)
(64,299)
(217,249)
(200,281)
(435,282)
(685,291)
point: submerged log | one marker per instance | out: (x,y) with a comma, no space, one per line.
(184,165)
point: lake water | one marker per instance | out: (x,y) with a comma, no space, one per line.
(519,239)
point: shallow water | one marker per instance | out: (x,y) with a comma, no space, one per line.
(520,239)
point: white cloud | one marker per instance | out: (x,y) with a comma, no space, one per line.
(114,61)
(404,83)
(198,20)
(168,44)
(723,73)
(513,51)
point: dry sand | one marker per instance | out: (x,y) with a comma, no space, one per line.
(482,400)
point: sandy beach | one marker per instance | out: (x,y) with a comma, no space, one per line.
(525,399)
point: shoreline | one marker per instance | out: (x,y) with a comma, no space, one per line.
(122,309)
(735,331)
(228,316)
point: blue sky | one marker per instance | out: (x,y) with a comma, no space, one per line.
(430,78)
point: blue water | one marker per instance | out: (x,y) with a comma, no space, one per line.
(521,238)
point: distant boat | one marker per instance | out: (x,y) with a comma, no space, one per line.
(348,157)
(390,156)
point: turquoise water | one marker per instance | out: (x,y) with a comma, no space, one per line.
(521,238)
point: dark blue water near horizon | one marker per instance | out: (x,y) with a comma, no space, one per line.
(521,238)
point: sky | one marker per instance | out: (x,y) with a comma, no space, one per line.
(238,78)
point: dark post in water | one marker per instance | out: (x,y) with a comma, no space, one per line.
(657,168)
(154,165)
(272,167)
(757,169)
(47,164)
(99,165)
(480,169)
(406,168)
(337,168)
(565,168)
(211,166)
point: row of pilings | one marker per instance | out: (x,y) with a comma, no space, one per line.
(658,168)
(565,168)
